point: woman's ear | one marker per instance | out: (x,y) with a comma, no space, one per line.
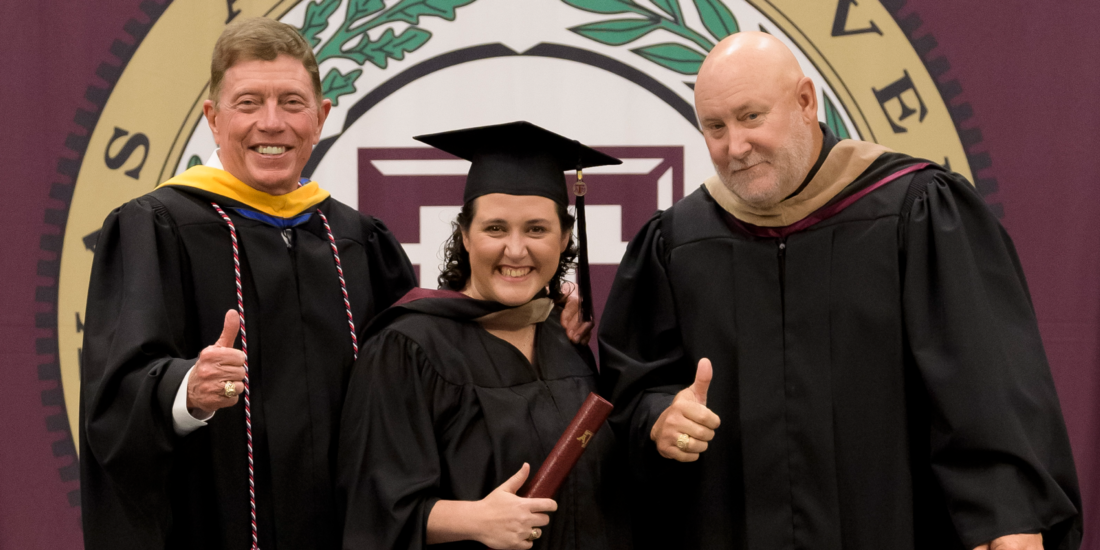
(566,237)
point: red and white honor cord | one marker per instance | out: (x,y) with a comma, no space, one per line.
(244,346)
(343,284)
(247,393)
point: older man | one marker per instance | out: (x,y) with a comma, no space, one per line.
(240,245)
(863,364)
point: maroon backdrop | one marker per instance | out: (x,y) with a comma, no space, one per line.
(1028,71)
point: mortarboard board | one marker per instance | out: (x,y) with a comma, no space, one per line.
(519,158)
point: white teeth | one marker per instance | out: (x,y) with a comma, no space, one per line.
(270,150)
(509,272)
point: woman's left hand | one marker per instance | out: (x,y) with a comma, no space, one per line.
(501,520)
(1015,542)
(578,330)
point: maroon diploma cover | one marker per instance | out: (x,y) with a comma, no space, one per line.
(568,449)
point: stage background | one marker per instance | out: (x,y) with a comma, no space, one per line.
(1018,77)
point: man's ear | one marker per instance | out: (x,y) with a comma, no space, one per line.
(211,112)
(807,98)
(566,237)
(322,115)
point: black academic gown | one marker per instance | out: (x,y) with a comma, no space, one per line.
(879,376)
(438,408)
(162,281)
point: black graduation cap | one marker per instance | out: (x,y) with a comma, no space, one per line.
(519,158)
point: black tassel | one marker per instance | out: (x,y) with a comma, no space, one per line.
(583,278)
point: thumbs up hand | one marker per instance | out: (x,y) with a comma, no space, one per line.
(684,429)
(218,366)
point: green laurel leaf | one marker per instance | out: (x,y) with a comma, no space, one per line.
(833,119)
(389,45)
(671,7)
(605,6)
(717,18)
(617,32)
(410,11)
(409,40)
(358,9)
(676,57)
(316,20)
(337,84)
(194,161)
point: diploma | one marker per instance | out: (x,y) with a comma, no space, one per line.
(568,449)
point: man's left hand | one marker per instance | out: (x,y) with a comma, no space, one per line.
(1015,542)
(578,330)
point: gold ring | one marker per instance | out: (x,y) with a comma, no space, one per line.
(682,442)
(535,533)
(230,390)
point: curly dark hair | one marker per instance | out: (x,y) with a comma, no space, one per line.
(456,267)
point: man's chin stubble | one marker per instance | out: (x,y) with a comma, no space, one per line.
(763,199)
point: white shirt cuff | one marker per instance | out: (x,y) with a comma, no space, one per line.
(182,421)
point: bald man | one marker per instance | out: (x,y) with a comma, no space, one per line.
(829,345)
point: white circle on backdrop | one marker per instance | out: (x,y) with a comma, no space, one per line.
(576,100)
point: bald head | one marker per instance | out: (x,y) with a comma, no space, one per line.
(758,112)
(755,56)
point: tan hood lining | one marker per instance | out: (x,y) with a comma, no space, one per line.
(846,162)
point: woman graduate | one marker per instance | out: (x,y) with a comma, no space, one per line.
(461,393)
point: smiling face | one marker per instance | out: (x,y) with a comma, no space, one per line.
(758,114)
(266,122)
(514,243)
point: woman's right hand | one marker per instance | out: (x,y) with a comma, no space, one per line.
(507,520)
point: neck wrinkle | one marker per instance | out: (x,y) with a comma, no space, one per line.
(825,141)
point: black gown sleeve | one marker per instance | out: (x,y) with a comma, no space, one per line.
(642,360)
(132,365)
(388,468)
(391,273)
(999,446)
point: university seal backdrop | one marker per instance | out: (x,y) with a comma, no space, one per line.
(105,102)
